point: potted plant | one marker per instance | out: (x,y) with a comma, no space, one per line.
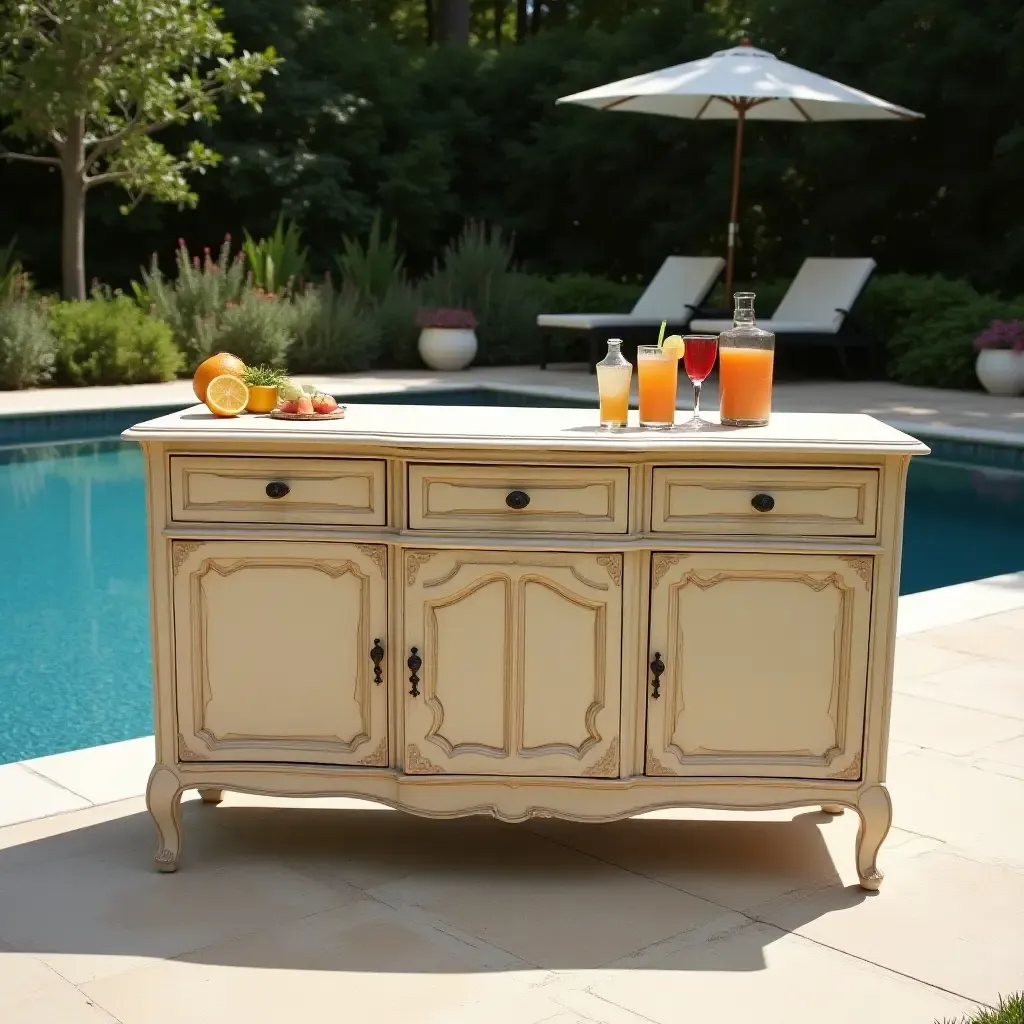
(263,382)
(1000,364)
(447,338)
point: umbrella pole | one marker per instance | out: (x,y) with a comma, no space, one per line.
(730,259)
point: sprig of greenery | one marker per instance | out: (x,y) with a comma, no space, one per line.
(263,377)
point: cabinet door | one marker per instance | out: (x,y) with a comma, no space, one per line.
(765,665)
(273,651)
(521,657)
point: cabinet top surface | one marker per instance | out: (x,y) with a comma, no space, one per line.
(482,427)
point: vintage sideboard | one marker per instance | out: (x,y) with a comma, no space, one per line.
(512,612)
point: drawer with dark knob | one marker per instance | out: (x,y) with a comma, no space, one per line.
(518,499)
(244,489)
(808,502)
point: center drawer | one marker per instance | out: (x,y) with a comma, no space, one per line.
(811,502)
(244,489)
(518,499)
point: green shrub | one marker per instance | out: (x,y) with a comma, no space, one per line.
(278,263)
(374,267)
(394,316)
(193,302)
(1009,1011)
(258,328)
(476,271)
(588,293)
(334,333)
(927,326)
(13,279)
(27,344)
(111,341)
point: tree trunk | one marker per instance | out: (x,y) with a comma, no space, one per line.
(535,17)
(428,14)
(499,22)
(73,228)
(453,22)
(522,21)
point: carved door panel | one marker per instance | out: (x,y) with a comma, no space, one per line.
(520,663)
(274,651)
(765,665)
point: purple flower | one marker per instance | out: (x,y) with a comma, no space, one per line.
(1002,334)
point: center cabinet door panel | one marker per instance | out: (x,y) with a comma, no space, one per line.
(765,665)
(521,657)
(273,647)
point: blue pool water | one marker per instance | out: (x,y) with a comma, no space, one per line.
(74,613)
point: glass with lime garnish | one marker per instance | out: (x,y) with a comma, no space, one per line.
(657,379)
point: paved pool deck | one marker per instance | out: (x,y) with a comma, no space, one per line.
(337,910)
(952,414)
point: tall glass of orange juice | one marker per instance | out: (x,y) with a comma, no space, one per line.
(657,376)
(746,362)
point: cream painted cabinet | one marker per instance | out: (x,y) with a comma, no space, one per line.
(274,652)
(519,656)
(471,611)
(758,665)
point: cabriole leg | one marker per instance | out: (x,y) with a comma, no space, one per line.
(875,810)
(163,798)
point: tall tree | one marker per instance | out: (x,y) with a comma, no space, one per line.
(92,81)
(453,22)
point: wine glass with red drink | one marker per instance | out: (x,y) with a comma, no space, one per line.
(699,360)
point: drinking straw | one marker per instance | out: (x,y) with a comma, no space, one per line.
(661,334)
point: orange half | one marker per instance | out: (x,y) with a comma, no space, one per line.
(226,395)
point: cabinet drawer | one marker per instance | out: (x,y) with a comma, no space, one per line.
(518,499)
(813,502)
(239,489)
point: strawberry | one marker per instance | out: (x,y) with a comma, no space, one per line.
(324,404)
(288,406)
(304,405)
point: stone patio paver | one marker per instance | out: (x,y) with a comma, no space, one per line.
(338,908)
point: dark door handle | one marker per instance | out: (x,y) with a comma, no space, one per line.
(415,663)
(277,489)
(762,502)
(657,667)
(517,500)
(377,656)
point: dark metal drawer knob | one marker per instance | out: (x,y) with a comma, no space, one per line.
(377,656)
(277,489)
(763,502)
(517,499)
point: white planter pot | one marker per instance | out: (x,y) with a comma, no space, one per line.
(1000,371)
(447,348)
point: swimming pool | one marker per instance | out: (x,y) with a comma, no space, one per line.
(74,611)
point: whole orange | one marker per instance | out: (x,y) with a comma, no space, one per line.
(222,362)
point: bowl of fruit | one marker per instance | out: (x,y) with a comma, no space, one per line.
(229,388)
(305,402)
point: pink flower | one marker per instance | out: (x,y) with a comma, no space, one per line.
(181,243)
(195,262)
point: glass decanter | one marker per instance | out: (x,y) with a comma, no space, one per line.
(746,362)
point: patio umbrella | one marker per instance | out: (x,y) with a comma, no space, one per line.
(741,84)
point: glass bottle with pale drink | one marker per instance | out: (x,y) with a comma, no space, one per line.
(746,362)
(614,373)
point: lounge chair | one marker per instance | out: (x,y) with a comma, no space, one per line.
(674,294)
(816,308)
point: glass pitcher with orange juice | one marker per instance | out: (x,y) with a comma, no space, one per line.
(746,361)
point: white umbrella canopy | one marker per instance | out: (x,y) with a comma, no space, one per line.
(740,84)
